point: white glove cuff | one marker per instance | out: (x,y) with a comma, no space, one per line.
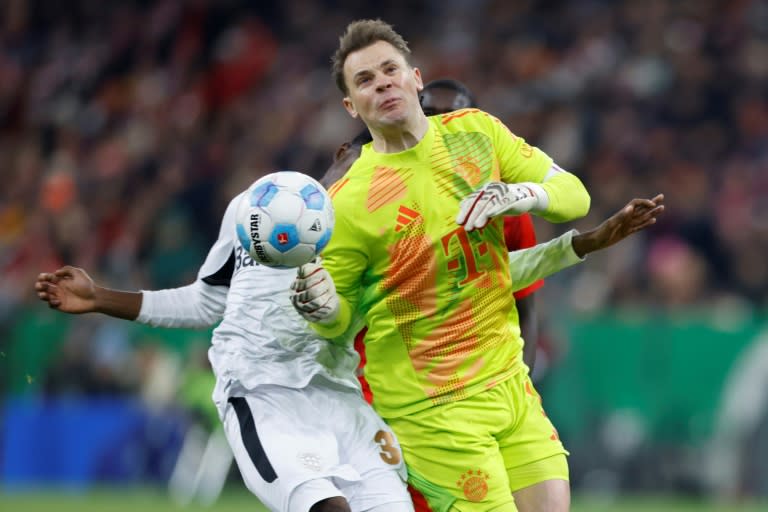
(542,198)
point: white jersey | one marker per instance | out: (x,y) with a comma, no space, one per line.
(289,400)
(261,339)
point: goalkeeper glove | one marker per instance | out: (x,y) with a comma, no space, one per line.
(496,198)
(314,294)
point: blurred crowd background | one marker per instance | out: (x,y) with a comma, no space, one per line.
(125,128)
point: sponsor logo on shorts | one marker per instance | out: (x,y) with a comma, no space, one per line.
(310,461)
(474,484)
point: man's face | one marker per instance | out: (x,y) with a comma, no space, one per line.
(439,100)
(383,88)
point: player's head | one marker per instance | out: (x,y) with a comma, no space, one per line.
(361,34)
(446,95)
(372,68)
(344,157)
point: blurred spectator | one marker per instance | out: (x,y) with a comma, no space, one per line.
(124,129)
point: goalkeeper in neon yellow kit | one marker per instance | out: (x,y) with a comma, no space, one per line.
(418,255)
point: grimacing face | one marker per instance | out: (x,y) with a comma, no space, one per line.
(383,87)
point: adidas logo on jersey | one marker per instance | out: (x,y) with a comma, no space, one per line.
(404,217)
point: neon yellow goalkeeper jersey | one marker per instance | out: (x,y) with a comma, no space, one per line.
(437,300)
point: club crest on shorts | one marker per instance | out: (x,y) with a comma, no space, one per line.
(474,484)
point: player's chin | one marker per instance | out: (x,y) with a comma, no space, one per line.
(393,117)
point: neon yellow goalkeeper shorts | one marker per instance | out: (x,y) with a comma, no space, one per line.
(472,454)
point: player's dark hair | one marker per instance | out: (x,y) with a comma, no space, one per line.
(362,34)
(451,85)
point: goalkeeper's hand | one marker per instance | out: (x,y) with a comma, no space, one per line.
(496,198)
(314,294)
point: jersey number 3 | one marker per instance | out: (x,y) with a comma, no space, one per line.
(388,450)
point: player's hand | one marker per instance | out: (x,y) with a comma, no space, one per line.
(68,289)
(494,199)
(636,215)
(314,294)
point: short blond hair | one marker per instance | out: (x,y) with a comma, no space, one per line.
(362,34)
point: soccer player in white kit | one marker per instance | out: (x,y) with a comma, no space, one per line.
(302,435)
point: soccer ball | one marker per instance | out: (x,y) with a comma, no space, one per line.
(284,219)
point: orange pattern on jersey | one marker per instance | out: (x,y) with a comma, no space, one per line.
(387,185)
(337,186)
(441,357)
(462,162)
(444,352)
(486,281)
(412,273)
(500,268)
(447,118)
(445,175)
(468,169)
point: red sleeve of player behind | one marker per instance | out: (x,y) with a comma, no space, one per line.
(519,234)
(360,348)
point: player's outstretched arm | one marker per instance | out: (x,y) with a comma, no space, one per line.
(198,305)
(636,215)
(71,290)
(542,260)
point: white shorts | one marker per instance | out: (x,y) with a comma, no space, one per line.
(295,447)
